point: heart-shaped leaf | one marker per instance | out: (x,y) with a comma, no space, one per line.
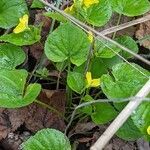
(11,11)
(11,56)
(128,42)
(47,139)
(105,49)
(67,42)
(27,37)
(13,91)
(125,81)
(131,7)
(141,118)
(98,14)
(103,113)
(129,131)
(76,81)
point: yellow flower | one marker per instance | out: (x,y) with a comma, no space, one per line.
(23,24)
(70,10)
(148,130)
(90,36)
(88,3)
(92,82)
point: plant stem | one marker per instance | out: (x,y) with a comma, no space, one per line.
(59,74)
(118,22)
(43,59)
(50,108)
(122,117)
(69,91)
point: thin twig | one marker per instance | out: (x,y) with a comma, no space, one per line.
(120,100)
(84,26)
(121,118)
(125,25)
(118,22)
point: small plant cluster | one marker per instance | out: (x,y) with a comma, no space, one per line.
(91,64)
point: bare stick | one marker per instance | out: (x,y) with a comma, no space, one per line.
(121,118)
(125,25)
(84,27)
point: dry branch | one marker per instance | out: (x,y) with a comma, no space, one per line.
(125,25)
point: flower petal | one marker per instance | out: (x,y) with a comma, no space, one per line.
(95,83)
(148,130)
(88,3)
(88,78)
(23,24)
(90,37)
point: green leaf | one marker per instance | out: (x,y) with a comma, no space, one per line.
(55,16)
(87,109)
(103,113)
(125,81)
(105,49)
(67,42)
(128,42)
(76,81)
(97,14)
(131,7)
(129,131)
(141,118)
(37,4)
(11,11)
(98,68)
(47,139)
(27,37)
(11,56)
(13,91)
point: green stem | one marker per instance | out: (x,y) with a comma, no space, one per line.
(50,108)
(97,95)
(118,22)
(43,59)
(69,91)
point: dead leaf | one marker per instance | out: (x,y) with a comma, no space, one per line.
(39,117)
(143,31)
(36,50)
(84,127)
(34,117)
(10,120)
(85,139)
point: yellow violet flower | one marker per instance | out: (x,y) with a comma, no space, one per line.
(69,9)
(88,3)
(90,37)
(148,130)
(23,24)
(92,82)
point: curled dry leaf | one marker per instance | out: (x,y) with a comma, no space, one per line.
(143,32)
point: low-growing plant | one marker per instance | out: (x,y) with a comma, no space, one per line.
(93,66)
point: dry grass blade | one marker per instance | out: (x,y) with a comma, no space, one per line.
(125,25)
